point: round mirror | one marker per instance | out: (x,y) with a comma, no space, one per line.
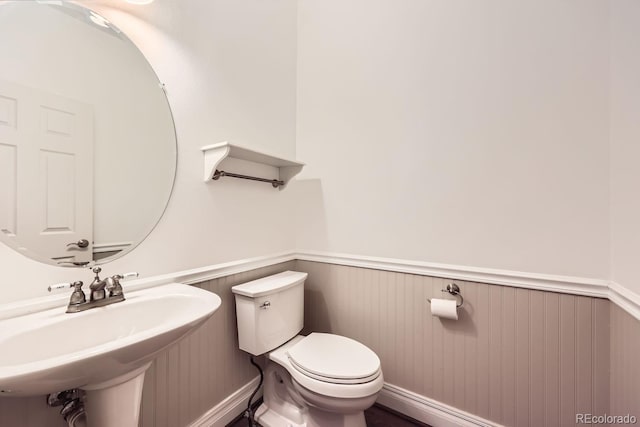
(87,141)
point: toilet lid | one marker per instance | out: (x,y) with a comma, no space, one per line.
(334,358)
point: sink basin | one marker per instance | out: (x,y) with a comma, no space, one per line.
(51,350)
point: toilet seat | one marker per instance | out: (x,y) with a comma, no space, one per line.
(324,385)
(334,359)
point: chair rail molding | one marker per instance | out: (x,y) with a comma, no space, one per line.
(188,277)
(624,298)
(544,282)
(598,288)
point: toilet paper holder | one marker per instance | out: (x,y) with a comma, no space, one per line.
(454,290)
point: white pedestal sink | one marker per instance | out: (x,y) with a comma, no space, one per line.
(104,350)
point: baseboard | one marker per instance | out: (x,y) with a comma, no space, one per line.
(413,405)
(230,408)
(427,410)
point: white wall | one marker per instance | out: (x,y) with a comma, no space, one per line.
(461,132)
(456,132)
(625,143)
(229,67)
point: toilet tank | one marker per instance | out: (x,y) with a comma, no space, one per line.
(269,311)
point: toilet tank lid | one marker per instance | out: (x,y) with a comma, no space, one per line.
(270,284)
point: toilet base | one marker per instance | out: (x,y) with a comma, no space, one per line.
(269,418)
(287,404)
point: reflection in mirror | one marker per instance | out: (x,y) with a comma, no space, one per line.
(87,142)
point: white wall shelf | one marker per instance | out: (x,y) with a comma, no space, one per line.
(247,163)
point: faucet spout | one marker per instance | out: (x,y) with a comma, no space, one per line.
(97,286)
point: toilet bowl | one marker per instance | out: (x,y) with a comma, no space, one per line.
(305,372)
(319,380)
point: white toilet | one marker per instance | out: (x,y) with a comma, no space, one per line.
(321,380)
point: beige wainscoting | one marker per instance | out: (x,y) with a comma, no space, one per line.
(184,381)
(625,363)
(516,357)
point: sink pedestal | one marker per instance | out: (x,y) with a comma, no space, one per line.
(116,402)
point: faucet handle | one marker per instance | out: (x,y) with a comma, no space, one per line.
(77,296)
(117,277)
(128,275)
(113,283)
(57,286)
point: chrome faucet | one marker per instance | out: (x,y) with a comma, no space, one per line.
(98,296)
(97,286)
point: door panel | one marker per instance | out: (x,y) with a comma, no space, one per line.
(9,136)
(8,192)
(53,143)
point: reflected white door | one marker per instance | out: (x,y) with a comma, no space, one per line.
(46,161)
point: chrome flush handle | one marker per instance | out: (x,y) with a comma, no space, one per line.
(265,305)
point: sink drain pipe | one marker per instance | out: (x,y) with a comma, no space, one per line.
(72,407)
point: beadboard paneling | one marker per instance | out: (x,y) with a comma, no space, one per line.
(517,357)
(625,363)
(29,412)
(185,380)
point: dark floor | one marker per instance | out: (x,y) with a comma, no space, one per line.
(379,416)
(376,416)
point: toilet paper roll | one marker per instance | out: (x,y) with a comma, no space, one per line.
(445,308)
